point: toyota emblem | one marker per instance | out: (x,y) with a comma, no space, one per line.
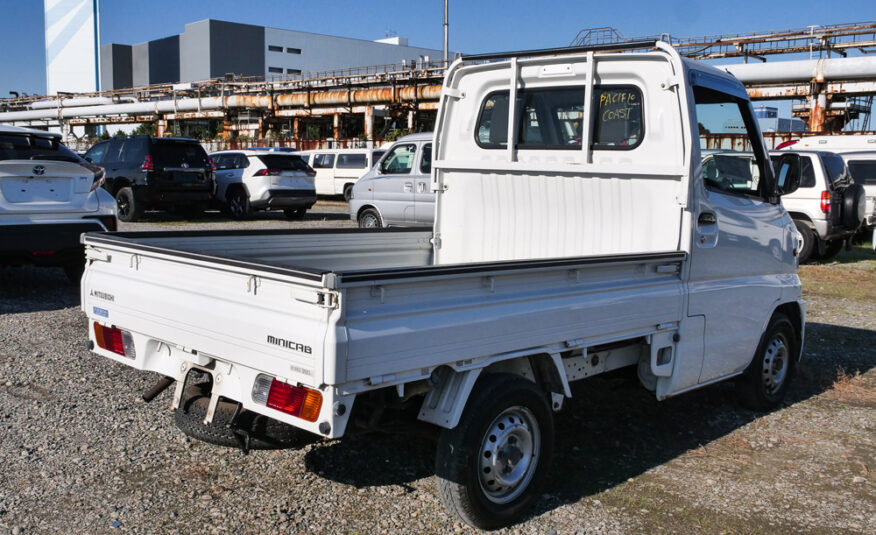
(39,170)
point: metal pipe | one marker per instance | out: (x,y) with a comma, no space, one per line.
(803,70)
(446,34)
(70,102)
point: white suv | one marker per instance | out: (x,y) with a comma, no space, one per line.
(249,180)
(827,208)
(862,165)
(49,196)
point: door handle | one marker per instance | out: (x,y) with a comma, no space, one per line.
(707,218)
(408,186)
(421,187)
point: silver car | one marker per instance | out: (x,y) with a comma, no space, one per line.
(396,191)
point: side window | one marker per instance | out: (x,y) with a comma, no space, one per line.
(731,171)
(114,151)
(220,161)
(352,161)
(96,153)
(619,122)
(134,151)
(375,156)
(323,161)
(426,159)
(492,131)
(863,171)
(241,161)
(807,173)
(399,161)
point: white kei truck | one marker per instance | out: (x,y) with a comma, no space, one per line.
(574,235)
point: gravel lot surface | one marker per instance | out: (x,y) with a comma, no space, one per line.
(82,453)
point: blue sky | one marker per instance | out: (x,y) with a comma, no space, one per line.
(475,26)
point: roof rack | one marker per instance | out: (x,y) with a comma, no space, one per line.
(603,47)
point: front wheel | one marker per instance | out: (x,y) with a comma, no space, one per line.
(764,383)
(369,218)
(492,466)
(807,237)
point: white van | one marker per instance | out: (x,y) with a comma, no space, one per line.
(338,169)
(396,191)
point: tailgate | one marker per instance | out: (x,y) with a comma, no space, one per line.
(270,322)
(45,187)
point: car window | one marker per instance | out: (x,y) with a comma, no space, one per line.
(376,155)
(134,150)
(807,173)
(114,151)
(399,161)
(618,122)
(241,161)
(34,147)
(166,153)
(731,171)
(221,161)
(283,162)
(863,171)
(323,161)
(352,161)
(835,167)
(97,152)
(426,159)
(549,118)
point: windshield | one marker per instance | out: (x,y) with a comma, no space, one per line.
(31,147)
(175,154)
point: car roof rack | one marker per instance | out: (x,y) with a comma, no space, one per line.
(603,47)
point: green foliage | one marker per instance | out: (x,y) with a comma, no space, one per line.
(396,133)
(148,129)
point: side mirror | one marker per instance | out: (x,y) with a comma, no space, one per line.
(788,173)
(88,159)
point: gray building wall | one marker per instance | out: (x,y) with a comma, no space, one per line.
(164,60)
(115,67)
(237,48)
(194,52)
(140,64)
(327,52)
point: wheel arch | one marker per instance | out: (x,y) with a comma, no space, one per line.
(373,207)
(796,313)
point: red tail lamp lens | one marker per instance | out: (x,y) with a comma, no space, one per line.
(781,146)
(825,201)
(115,340)
(147,164)
(295,400)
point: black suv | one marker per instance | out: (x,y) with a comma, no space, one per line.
(145,172)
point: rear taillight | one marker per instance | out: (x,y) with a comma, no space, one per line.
(825,202)
(298,401)
(99,174)
(115,340)
(310,171)
(268,172)
(147,163)
(212,165)
(786,144)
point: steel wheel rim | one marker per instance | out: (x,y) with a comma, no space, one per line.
(369,221)
(508,456)
(776,361)
(236,206)
(123,206)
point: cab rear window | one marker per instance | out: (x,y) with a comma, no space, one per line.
(175,154)
(553,118)
(863,172)
(283,162)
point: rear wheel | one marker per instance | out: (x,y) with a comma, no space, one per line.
(764,383)
(808,239)
(238,204)
(492,466)
(348,192)
(295,214)
(129,208)
(74,270)
(831,249)
(369,218)
(265,433)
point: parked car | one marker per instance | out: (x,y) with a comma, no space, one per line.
(144,172)
(833,143)
(862,165)
(49,196)
(338,169)
(583,244)
(827,208)
(250,180)
(397,191)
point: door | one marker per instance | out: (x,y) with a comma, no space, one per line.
(324,165)
(394,185)
(742,244)
(349,167)
(229,170)
(424,199)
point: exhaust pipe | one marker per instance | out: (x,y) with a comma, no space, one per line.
(157,388)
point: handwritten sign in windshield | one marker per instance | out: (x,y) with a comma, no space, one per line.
(618,104)
(618,118)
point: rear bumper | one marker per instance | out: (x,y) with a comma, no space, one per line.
(44,243)
(155,196)
(286,198)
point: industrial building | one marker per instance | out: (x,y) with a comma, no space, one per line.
(215,49)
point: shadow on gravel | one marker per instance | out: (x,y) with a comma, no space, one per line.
(612,429)
(34,289)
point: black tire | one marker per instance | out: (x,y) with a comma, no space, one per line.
(369,218)
(854,206)
(74,270)
(238,204)
(129,208)
(831,249)
(348,192)
(808,244)
(295,214)
(764,383)
(504,411)
(266,433)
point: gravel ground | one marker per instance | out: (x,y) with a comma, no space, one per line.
(82,453)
